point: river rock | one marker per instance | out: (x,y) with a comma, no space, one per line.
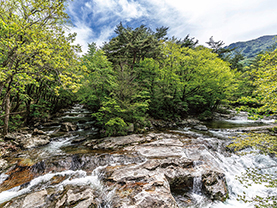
(190,122)
(3,164)
(35,141)
(51,123)
(167,168)
(27,140)
(140,171)
(67,126)
(38,132)
(72,196)
(16,136)
(201,127)
(161,148)
(214,185)
(32,200)
(119,142)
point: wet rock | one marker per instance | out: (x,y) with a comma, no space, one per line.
(51,123)
(201,127)
(38,132)
(149,191)
(190,122)
(67,126)
(27,140)
(143,171)
(32,200)
(15,136)
(3,164)
(83,197)
(78,197)
(117,142)
(214,185)
(36,199)
(35,141)
(160,148)
(78,140)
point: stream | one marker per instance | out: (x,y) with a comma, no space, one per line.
(74,170)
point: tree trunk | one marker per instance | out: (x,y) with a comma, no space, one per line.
(7,114)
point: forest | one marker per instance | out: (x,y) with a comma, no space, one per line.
(139,75)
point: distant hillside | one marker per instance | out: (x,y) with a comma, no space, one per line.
(252,47)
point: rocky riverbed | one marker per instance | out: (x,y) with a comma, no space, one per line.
(183,167)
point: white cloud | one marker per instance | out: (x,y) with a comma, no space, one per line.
(106,33)
(227,20)
(84,35)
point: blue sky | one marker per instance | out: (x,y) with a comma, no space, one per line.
(226,20)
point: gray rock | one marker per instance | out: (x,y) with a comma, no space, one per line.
(144,173)
(214,185)
(36,199)
(27,140)
(35,141)
(3,164)
(118,142)
(67,126)
(51,123)
(72,196)
(38,132)
(160,148)
(201,127)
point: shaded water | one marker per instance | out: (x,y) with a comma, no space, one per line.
(67,159)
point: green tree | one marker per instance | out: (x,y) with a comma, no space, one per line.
(217,47)
(193,80)
(34,49)
(188,42)
(98,80)
(132,45)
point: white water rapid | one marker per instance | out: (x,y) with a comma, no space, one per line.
(71,166)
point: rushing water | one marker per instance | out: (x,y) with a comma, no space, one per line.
(235,165)
(67,144)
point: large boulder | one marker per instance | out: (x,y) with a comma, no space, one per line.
(27,141)
(140,171)
(72,196)
(169,167)
(35,141)
(119,142)
(214,185)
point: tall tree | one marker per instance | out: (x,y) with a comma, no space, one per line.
(217,47)
(34,49)
(132,45)
(188,42)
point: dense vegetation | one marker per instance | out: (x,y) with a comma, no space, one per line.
(34,60)
(137,75)
(140,73)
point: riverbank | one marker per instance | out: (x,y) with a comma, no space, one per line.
(184,166)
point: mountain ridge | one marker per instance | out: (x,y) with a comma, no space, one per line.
(249,49)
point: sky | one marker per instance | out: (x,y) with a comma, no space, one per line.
(227,20)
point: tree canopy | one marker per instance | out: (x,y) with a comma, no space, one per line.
(34,52)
